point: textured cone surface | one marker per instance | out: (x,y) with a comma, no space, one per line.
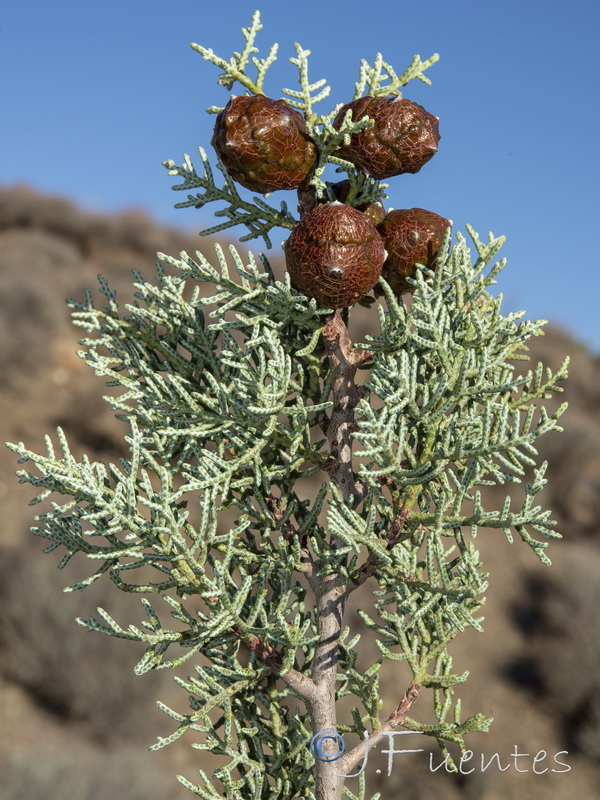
(403,137)
(335,255)
(264,143)
(411,236)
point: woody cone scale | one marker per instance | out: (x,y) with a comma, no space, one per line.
(336,252)
(403,137)
(411,236)
(264,143)
(335,255)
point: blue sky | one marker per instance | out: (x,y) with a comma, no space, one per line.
(96,95)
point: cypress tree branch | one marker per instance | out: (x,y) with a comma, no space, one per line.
(331,588)
(350,759)
(290,531)
(373,562)
(301,684)
(344,361)
(225,374)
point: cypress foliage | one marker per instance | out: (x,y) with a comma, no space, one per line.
(235,387)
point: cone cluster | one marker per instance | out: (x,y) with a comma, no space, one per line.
(337,252)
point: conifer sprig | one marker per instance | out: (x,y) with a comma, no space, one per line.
(371,78)
(257,216)
(304,100)
(450,423)
(235,69)
(235,388)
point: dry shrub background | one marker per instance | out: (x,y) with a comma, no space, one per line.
(76,722)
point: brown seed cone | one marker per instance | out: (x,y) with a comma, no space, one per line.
(264,143)
(335,255)
(411,236)
(403,138)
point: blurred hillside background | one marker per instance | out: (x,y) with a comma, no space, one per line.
(75,721)
(94,98)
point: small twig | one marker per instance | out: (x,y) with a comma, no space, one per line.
(290,531)
(307,200)
(301,684)
(373,561)
(360,358)
(347,763)
(361,490)
(278,514)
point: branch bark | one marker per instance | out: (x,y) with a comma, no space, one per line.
(344,361)
(348,761)
(329,587)
(300,683)
(331,591)
(373,562)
